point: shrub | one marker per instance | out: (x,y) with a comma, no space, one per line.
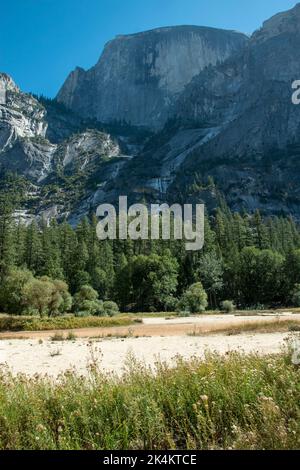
(57,337)
(92,307)
(228,306)
(61,337)
(81,314)
(194,300)
(71,336)
(11,290)
(85,293)
(110,308)
(46,296)
(183,313)
(171,304)
(86,301)
(37,295)
(61,299)
(13,323)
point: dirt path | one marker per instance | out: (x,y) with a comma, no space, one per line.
(160,327)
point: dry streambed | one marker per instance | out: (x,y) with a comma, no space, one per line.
(166,327)
(52,358)
(156,339)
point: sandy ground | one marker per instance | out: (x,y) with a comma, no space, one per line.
(52,358)
(156,339)
(162,327)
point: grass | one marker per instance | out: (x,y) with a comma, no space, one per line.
(22,323)
(148,315)
(277,311)
(13,323)
(117,336)
(275,326)
(55,353)
(233,402)
(251,313)
(61,337)
(11,337)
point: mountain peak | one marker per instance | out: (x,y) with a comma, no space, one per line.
(281,23)
(139,76)
(176,29)
(7,83)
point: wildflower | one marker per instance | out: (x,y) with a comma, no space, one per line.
(40,428)
(266,399)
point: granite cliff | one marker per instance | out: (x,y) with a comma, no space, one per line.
(214,117)
(139,76)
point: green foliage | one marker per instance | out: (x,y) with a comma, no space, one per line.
(295,297)
(210,272)
(86,302)
(228,306)
(291,270)
(110,308)
(194,300)
(61,300)
(153,281)
(260,275)
(37,296)
(12,323)
(46,297)
(246,258)
(11,290)
(85,293)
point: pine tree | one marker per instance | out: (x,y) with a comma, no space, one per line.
(67,242)
(33,248)
(7,248)
(51,264)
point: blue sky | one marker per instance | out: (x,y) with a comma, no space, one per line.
(41,41)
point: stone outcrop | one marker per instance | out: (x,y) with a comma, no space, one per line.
(235,132)
(139,76)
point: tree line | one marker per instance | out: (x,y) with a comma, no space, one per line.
(53,268)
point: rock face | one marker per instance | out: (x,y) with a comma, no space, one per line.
(65,164)
(83,150)
(235,132)
(139,76)
(249,129)
(286,22)
(236,124)
(23,147)
(20,114)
